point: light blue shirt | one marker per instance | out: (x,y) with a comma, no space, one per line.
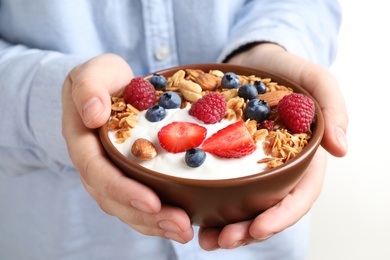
(45,213)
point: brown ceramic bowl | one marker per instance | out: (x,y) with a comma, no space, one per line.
(220,202)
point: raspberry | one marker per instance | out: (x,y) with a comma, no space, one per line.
(297,112)
(209,109)
(267,124)
(140,93)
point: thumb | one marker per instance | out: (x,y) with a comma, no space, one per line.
(94,82)
(324,88)
(319,82)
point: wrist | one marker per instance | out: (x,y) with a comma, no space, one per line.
(252,54)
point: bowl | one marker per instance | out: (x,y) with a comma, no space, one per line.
(215,203)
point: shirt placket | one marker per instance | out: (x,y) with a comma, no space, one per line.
(160,34)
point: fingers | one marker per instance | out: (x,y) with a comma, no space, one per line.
(92,84)
(117,195)
(230,237)
(170,222)
(84,147)
(86,104)
(93,166)
(274,220)
(295,205)
(208,238)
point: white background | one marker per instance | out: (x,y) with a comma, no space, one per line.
(351,219)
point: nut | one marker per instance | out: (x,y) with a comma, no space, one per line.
(216,73)
(207,81)
(273,97)
(190,90)
(143,149)
(192,74)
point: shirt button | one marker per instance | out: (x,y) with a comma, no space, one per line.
(162,53)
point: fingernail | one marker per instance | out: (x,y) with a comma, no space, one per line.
(169,226)
(141,206)
(262,238)
(92,108)
(174,236)
(341,138)
(238,244)
(172,231)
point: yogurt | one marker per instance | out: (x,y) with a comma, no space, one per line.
(173,164)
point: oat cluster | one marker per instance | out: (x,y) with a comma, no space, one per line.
(192,84)
(123,119)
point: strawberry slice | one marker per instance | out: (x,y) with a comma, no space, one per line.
(233,141)
(177,137)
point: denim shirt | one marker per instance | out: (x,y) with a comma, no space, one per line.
(45,213)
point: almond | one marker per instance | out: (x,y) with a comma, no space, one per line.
(143,149)
(273,97)
(192,74)
(207,81)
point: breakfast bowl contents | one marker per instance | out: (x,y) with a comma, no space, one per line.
(223,142)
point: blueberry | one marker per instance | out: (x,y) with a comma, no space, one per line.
(230,80)
(158,81)
(261,87)
(247,92)
(170,100)
(155,113)
(195,157)
(258,110)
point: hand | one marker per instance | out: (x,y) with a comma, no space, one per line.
(324,88)
(86,106)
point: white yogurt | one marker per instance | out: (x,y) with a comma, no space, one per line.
(173,164)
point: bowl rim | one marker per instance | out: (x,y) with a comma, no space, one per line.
(313,144)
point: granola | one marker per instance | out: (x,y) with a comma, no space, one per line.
(123,119)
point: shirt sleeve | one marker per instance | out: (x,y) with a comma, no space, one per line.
(30,107)
(306,28)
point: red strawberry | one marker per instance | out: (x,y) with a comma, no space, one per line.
(177,137)
(297,112)
(140,93)
(233,141)
(209,109)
